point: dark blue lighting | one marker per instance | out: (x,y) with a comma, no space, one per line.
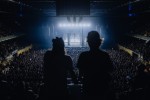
(20,14)
(129,7)
(131,14)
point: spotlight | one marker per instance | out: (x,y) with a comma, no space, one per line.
(74,25)
(80,25)
(60,25)
(84,25)
(88,25)
(64,25)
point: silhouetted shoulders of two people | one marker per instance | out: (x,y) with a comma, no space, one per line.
(94,67)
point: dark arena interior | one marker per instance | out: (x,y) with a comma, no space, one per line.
(27,28)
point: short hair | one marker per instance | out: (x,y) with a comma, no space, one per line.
(93,39)
(93,36)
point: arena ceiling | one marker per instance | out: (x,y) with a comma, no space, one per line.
(97,7)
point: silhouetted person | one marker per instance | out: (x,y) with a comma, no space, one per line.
(141,83)
(95,67)
(56,66)
(141,77)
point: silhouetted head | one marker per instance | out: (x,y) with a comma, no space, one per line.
(94,40)
(58,45)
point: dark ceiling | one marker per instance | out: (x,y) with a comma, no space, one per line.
(97,7)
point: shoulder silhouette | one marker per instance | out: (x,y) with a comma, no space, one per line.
(94,67)
(56,67)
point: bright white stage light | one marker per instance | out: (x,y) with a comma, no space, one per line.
(89,25)
(60,25)
(64,25)
(80,25)
(74,25)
